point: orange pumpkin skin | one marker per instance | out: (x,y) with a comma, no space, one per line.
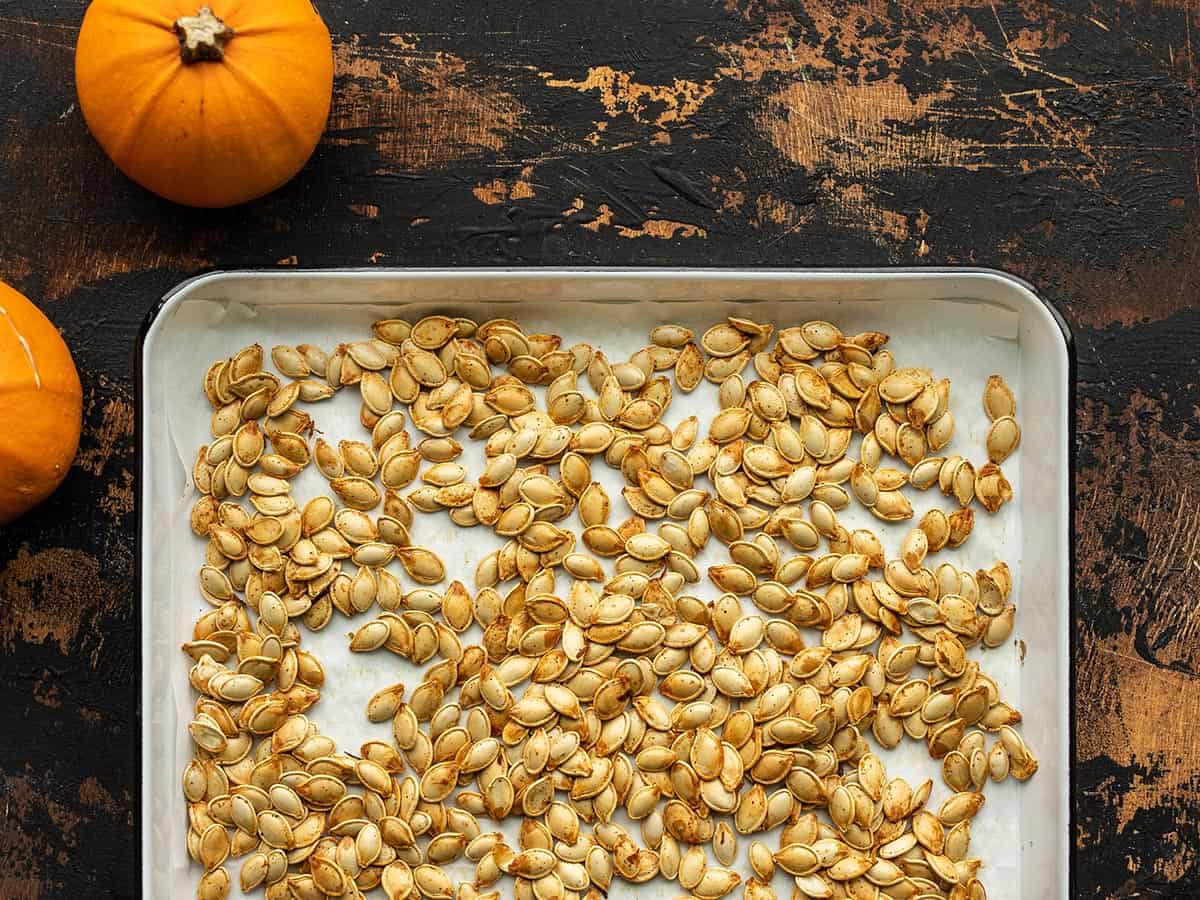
(209,132)
(41,406)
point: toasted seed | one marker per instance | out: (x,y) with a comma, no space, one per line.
(793,343)
(910,444)
(820,335)
(370,636)
(689,368)
(1002,438)
(959,807)
(723,340)
(674,336)
(290,361)
(850,567)
(892,507)
(900,386)
(214,885)
(423,565)
(356,492)
(913,548)
(647,547)
(926,472)
(433,332)
(998,399)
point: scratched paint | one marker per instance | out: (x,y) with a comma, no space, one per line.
(621,93)
(50,595)
(113,434)
(417,109)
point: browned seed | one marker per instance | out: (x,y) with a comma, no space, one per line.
(998,399)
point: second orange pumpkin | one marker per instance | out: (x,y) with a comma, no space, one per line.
(41,406)
(205,107)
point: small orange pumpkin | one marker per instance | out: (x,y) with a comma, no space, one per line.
(41,406)
(207,108)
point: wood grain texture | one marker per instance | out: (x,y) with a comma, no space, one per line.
(1055,140)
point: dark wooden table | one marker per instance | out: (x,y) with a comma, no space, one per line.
(1055,140)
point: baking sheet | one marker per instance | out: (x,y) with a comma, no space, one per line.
(960,338)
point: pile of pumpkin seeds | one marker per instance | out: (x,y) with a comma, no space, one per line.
(707,707)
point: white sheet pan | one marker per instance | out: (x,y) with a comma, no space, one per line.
(966,324)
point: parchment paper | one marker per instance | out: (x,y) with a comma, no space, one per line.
(965,341)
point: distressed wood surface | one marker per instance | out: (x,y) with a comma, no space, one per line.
(1055,140)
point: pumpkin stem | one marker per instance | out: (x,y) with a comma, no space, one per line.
(202,36)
